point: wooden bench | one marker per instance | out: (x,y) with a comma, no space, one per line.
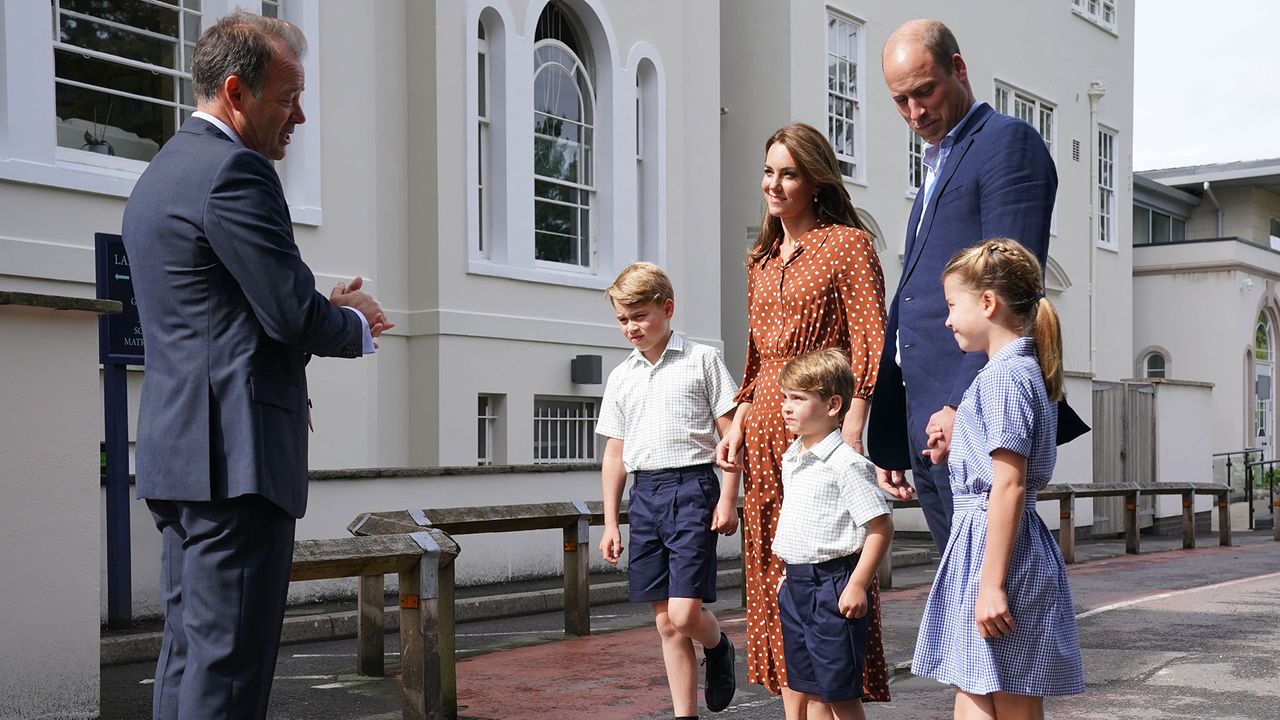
(1066,494)
(424,561)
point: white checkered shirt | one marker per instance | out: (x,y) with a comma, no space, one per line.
(665,412)
(829,494)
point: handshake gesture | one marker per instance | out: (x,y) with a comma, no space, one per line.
(349,295)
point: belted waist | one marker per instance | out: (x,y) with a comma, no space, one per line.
(674,475)
(814,572)
(977,502)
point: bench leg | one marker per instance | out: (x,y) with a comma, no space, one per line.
(1067,528)
(1188,520)
(577,578)
(1224,518)
(446,630)
(1132,544)
(371,626)
(419,641)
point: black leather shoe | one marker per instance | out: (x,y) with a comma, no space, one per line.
(721,680)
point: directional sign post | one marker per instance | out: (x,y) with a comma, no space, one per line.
(119,344)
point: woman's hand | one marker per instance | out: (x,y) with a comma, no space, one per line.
(729,450)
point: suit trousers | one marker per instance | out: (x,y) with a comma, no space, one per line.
(224,578)
(933,488)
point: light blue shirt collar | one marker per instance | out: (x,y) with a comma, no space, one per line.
(226,129)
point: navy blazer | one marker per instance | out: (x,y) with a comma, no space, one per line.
(998,181)
(230,315)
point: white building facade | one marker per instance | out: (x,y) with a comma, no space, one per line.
(1206,303)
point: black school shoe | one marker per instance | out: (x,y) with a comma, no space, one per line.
(721,680)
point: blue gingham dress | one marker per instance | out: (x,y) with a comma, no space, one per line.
(1006,407)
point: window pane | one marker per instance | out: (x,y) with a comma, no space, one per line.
(115,125)
(1159,227)
(144,16)
(116,41)
(1179,230)
(1141,226)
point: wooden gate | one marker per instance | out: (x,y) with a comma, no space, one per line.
(1124,449)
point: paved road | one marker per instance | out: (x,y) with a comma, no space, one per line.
(1180,634)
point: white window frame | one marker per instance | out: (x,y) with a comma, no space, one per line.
(855,57)
(486,425)
(915,162)
(510,63)
(1106,227)
(1099,12)
(1041,114)
(484,133)
(587,176)
(1146,365)
(178,108)
(29,151)
(576,426)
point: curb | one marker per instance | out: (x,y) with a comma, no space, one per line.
(145,646)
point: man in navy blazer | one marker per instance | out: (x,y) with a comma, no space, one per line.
(987,175)
(230,316)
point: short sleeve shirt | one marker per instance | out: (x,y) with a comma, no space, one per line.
(829,496)
(1007,408)
(665,412)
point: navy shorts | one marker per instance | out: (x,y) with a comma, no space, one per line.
(672,549)
(825,651)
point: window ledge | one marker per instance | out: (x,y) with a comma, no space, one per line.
(1109,247)
(1109,29)
(537,274)
(100,180)
(854,181)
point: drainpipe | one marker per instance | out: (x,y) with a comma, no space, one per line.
(1209,192)
(1096,91)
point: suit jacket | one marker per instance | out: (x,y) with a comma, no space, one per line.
(998,180)
(230,315)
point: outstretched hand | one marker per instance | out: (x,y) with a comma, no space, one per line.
(894,482)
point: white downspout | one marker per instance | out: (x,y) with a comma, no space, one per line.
(1209,192)
(1096,91)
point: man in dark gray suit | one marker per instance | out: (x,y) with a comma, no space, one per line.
(230,316)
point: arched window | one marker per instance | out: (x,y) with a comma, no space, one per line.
(485,141)
(564,109)
(1263,347)
(1153,366)
(648,160)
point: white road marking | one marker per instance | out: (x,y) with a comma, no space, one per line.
(1174,593)
(339,685)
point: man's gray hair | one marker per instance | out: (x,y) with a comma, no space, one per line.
(240,44)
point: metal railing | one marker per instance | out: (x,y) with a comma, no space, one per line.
(1232,469)
(1265,472)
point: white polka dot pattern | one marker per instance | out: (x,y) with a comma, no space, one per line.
(829,293)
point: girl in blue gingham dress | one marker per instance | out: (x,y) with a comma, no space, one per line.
(999,623)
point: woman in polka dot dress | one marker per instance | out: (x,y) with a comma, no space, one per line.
(813,282)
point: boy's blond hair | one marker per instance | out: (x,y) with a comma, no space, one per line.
(639,283)
(826,373)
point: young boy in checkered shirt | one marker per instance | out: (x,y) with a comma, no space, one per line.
(833,531)
(662,408)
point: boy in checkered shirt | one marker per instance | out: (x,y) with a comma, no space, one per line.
(662,408)
(834,529)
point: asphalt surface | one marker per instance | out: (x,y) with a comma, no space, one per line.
(1167,634)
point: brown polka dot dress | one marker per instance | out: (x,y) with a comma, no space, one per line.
(829,293)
